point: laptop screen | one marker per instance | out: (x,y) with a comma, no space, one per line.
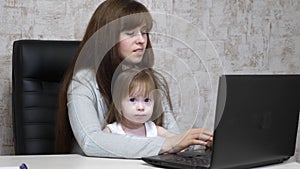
(256,119)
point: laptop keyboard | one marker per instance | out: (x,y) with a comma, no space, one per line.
(193,158)
(194,161)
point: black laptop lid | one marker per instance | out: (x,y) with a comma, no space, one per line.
(256,120)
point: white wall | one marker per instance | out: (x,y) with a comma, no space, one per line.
(250,36)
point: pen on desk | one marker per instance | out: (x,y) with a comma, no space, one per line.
(23,166)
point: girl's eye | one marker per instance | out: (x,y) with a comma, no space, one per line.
(147,100)
(132,99)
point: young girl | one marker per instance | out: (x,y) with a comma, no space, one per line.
(137,108)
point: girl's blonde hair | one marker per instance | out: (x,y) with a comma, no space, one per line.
(133,81)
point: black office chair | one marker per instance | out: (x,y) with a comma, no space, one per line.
(37,69)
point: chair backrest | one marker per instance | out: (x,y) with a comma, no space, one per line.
(37,69)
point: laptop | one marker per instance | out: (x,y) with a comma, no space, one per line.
(255,124)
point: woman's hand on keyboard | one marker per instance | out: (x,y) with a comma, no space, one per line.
(196,136)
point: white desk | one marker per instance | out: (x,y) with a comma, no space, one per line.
(70,162)
(82,162)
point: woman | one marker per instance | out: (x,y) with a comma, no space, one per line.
(116,38)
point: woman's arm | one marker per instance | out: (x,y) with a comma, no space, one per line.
(163,132)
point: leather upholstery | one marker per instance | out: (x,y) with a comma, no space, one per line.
(38,67)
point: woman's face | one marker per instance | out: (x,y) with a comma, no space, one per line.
(133,44)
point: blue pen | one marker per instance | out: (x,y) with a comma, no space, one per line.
(23,166)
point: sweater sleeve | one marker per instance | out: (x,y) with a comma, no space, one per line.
(87,110)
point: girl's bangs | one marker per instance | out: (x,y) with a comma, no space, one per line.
(141,88)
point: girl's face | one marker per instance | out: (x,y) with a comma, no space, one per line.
(133,44)
(137,108)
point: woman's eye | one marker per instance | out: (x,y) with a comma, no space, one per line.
(132,99)
(130,33)
(135,33)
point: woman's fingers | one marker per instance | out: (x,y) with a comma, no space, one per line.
(205,137)
(201,134)
(197,136)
